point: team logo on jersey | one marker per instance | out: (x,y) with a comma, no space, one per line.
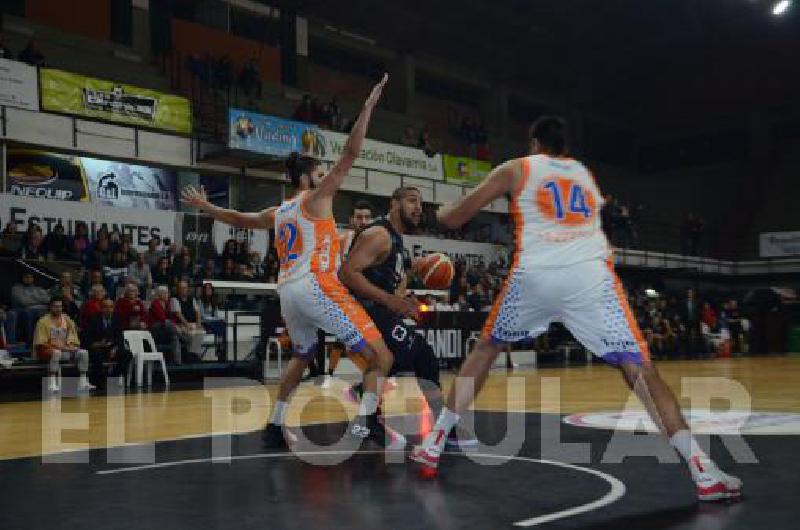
(566,202)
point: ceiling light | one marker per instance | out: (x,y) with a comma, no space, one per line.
(781,7)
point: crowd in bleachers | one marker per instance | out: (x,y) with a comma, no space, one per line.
(31,54)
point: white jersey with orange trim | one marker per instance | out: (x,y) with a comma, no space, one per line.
(305,244)
(556,213)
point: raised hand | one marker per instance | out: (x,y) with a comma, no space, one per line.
(375,95)
(195,196)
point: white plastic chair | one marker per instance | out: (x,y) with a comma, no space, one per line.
(135,341)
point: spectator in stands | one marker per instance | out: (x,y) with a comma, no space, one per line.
(93,305)
(230,250)
(409,137)
(185,312)
(708,316)
(162,275)
(66,285)
(476,299)
(127,250)
(209,313)
(257,264)
(115,270)
(153,253)
(304,111)
(11,240)
(335,114)
(56,339)
(250,78)
(735,326)
(100,253)
(205,271)
(228,270)
(5,53)
(244,272)
(33,249)
(29,302)
(424,141)
(162,327)
(80,243)
(170,249)
(130,310)
(183,267)
(690,314)
(32,55)
(103,337)
(57,245)
(140,274)
(90,279)
(223,72)
(271,266)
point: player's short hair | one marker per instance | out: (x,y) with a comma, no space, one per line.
(363,205)
(551,132)
(401,192)
(298,165)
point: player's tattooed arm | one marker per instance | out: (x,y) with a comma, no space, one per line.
(499,182)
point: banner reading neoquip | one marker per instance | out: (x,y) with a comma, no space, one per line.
(106,100)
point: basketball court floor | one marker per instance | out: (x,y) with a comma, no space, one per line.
(547,459)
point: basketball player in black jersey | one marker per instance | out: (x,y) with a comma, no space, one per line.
(375,272)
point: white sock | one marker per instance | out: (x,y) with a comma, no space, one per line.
(447,420)
(279,413)
(369,404)
(686,445)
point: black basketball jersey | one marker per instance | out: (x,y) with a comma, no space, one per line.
(388,274)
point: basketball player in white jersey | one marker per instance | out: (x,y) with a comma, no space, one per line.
(561,271)
(311,295)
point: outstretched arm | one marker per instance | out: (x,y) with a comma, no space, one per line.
(352,148)
(499,182)
(197,198)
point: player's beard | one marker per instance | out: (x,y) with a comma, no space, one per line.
(409,225)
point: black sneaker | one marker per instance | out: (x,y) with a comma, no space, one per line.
(273,438)
(371,428)
(461,438)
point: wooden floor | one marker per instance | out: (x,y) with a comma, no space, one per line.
(34,428)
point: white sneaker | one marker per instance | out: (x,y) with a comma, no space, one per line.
(712,483)
(52,386)
(84,385)
(430,451)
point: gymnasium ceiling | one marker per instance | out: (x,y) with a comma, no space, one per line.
(655,64)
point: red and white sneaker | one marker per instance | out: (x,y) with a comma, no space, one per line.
(712,483)
(430,451)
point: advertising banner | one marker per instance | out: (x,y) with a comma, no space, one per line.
(130,186)
(25,211)
(380,156)
(463,170)
(779,244)
(97,98)
(470,253)
(268,135)
(19,85)
(43,175)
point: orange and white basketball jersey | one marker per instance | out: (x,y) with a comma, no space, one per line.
(345,242)
(305,244)
(556,212)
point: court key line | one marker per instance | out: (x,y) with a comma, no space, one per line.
(614,494)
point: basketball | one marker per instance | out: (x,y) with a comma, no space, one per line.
(435,270)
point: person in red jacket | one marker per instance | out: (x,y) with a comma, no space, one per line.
(92,306)
(129,311)
(162,323)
